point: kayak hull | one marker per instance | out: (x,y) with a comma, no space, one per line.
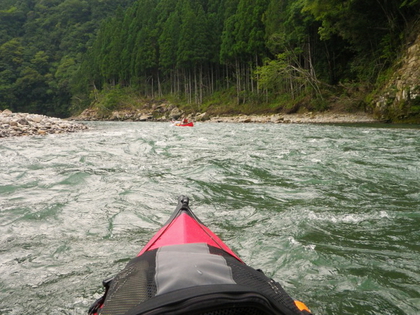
(189,124)
(185,269)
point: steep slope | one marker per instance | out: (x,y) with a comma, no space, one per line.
(399,99)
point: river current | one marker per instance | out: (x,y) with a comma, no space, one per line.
(332,212)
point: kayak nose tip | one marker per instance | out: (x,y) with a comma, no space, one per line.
(184,200)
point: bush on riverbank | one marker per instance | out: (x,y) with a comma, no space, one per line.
(225,103)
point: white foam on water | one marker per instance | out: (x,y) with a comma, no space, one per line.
(337,218)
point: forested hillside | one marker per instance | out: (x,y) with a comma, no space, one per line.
(270,54)
(240,54)
(41,46)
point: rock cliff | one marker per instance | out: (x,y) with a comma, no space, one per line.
(399,99)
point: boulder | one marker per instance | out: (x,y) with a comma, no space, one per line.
(6,113)
(202,117)
(145,117)
(175,113)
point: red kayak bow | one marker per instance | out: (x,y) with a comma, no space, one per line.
(185,269)
(183,227)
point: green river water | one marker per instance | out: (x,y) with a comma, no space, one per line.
(331,212)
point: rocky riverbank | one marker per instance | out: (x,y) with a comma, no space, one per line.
(168,112)
(307,118)
(23,124)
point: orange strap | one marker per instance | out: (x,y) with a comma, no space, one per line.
(301,306)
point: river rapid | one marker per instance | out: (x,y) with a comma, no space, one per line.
(332,212)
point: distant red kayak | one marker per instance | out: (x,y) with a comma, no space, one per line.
(180,124)
(186,269)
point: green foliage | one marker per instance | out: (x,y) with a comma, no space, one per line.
(11,54)
(168,42)
(11,21)
(371,29)
(115,98)
(112,99)
(57,52)
(41,45)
